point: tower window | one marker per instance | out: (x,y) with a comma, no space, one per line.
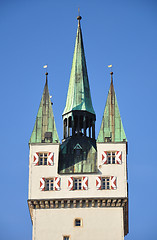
(49,184)
(78,222)
(105,183)
(80,183)
(77,183)
(78,152)
(111,157)
(43,158)
(66,237)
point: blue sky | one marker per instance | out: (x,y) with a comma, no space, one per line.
(34,33)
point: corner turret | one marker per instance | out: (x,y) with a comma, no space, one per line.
(45,128)
(111,127)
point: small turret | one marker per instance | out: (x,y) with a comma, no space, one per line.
(111,127)
(45,127)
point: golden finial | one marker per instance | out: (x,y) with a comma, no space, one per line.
(111,77)
(46,76)
(46,73)
(110,66)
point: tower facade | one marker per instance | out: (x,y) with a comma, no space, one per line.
(78,188)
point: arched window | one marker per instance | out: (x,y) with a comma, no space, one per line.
(70,126)
(65,128)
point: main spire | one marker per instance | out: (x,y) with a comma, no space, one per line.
(79,97)
(78,149)
(111,127)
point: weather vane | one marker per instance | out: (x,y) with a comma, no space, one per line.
(45,66)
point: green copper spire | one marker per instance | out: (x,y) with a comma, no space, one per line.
(45,128)
(79,97)
(111,127)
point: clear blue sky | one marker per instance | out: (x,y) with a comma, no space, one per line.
(34,33)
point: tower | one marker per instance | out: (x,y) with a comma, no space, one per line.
(78,188)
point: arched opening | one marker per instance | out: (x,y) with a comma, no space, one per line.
(93,129)
(87,127)
(84,125)
(65,128)
(69,126)
(75,125)
(81,125)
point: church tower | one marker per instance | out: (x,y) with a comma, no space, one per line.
(78,188)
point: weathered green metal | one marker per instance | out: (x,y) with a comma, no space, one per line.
(79,97)
(111,127)
(45,128)
(78,155)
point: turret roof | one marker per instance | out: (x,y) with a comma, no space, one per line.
(45,127)
(111,127)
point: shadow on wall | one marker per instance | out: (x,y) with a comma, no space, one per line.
(78,155)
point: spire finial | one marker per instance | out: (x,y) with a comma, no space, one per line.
(111,76)
(110,66)
(79,17)
(46,73)
(46,77)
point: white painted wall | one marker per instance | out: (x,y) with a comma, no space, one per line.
(98,224)
(105,223)
(118,170)
(36,172)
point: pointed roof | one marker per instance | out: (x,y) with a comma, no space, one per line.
(79,97)
(45,127)
(111,127)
